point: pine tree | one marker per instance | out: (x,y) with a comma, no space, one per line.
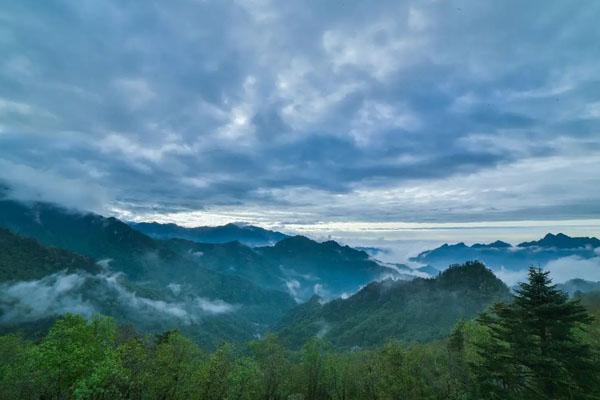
(458,369)
(498,373)
(534,350)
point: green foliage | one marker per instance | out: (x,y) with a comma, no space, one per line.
(173,365)
(81,358)
(414,311)
(502,355)
(534,348)
(214,374)
(245,380)
(313,369)
(25,259)
(18,379)
(148,266)
(272,359)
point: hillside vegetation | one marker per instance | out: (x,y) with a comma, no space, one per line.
(501,355)
(24,259)
(415,311)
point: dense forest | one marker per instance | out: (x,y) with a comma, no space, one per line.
(538,345)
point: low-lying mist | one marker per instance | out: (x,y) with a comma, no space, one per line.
(107,293)
(561,270)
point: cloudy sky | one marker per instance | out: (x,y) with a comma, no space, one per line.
(334,115)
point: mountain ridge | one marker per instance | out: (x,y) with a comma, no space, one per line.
(501,255)
(148,265)
(417,310)
(562,241)
(247,234)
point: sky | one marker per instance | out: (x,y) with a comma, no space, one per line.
(416,119)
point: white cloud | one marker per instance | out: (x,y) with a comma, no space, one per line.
(33,184)
(417,20)
(592,110)
(301,113)
(137,150)
(175,288)
(137,92)
(566,268)
(324,329)
(293,286)
(237,126)
(8,106)
(561,270)
(215,306)
(510,277)
(377,49)
(374,118)
(50,296)
(82,293)
(306,94)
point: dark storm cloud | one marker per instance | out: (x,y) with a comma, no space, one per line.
(219,103)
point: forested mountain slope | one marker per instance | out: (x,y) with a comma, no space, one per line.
(297,265)
(142,279)
(420,310)
(22,258)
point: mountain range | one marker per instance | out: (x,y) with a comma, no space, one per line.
(54,261)
(562,241)
(501,255)
(214,291)
(575,286)
(139,279)
(246,234)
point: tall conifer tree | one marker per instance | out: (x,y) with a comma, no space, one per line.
(534,350)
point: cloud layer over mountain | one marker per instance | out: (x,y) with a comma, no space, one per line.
(87,294)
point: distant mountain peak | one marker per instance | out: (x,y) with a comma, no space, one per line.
(330,246)
(296,239)
(417,310)
(562,241)
(474,269)
(498,244)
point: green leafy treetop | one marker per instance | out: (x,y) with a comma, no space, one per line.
(535,349)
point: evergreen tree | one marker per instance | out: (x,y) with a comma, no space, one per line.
(534,349)
(457,365)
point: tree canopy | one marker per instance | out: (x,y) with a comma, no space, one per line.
(540,345)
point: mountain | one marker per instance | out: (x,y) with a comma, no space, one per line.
(373,251)
(429,270)
(232,258)
(239,289)
(573,286)
(498,244)
(562,241)
(415,311)
(247,234)
(501,255)
(88,234)
(326,269)
(26,259)
(297,265)
(144,272)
